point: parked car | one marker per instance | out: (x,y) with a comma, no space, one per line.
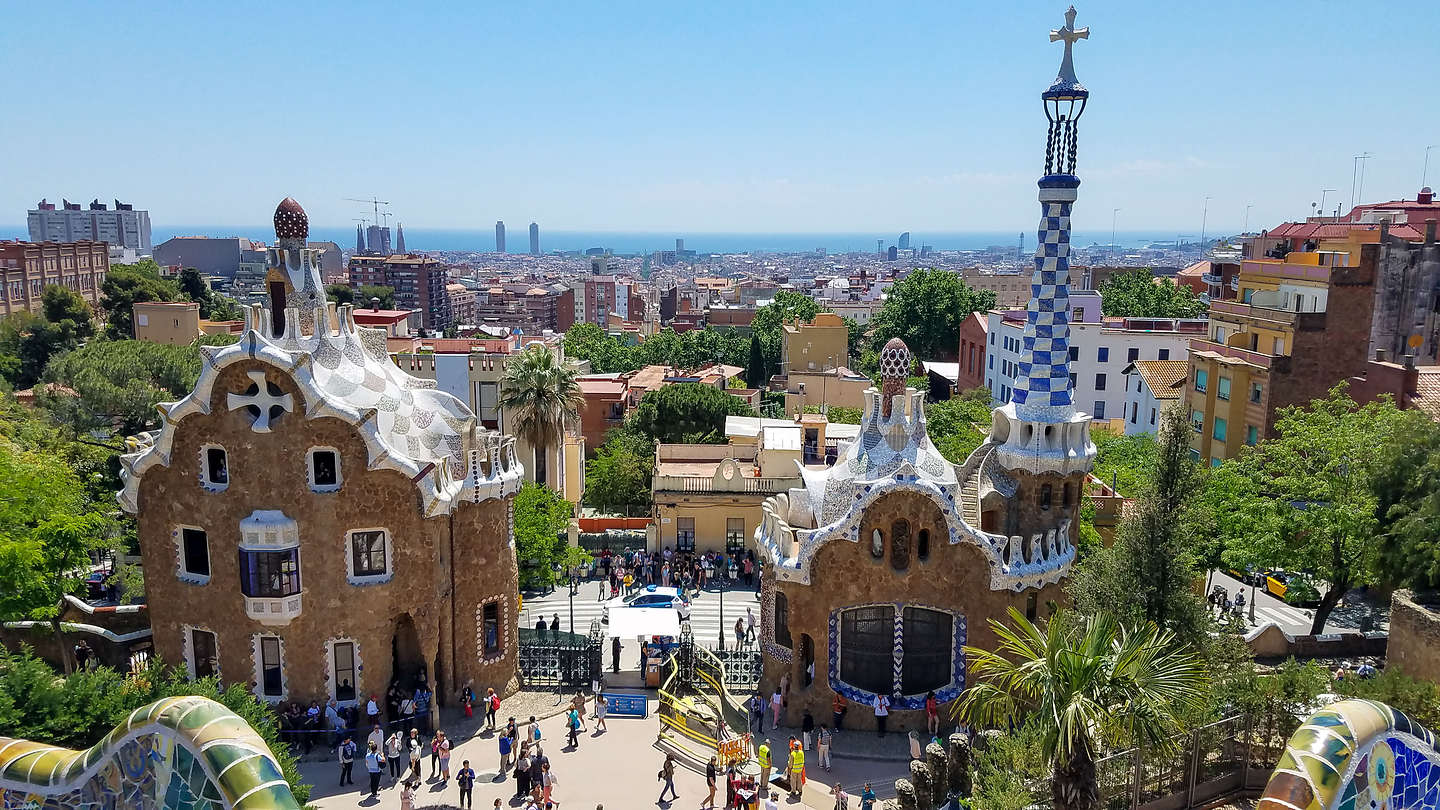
(651,596)
(1250,576)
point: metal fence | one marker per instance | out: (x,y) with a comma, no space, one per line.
(561,659)
(1225,757)
(740,668)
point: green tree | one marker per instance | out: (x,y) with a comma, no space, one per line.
(118,383)
(540,517)
(542,396)
(855,340)
(1149,573)
(1408,505)
(340,294)
(755,366)
(47,536)
(1305,500)
(27,342)
(785,307)
(925,309)
(686,412)
(126,285)
(372,291)
(1085,683)
(1123,461)
(618,478)
(1139,294)
(960,424)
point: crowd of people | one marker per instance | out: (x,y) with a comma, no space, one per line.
(624,572)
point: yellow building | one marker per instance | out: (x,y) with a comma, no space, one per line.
(177,323)
(1299,325)
(836,387)
(820,345)
(708,496)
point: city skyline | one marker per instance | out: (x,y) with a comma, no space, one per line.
(791,120)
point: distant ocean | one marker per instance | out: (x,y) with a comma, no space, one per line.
(623,242)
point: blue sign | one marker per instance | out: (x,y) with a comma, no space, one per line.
(626,705)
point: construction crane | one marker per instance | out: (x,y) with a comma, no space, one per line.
(386,221)
(373,201)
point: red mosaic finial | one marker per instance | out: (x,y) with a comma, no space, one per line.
(894,368)
(290,220)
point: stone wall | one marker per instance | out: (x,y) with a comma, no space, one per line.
(269,471)
(1414,637)
(846,574)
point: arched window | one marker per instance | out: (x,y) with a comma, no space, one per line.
(867,648)
(1045,496)
(782,620)
(900,544)
(877,544)
(929,639)
(922,545)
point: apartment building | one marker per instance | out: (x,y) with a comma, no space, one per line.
(28,266)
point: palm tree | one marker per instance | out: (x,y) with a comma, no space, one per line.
(542,395)
(1088,682)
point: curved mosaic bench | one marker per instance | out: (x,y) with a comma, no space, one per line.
(183,753)
(1356,755)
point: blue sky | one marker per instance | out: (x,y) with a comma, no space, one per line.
(737,116)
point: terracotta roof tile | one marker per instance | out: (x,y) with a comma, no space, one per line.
(1427,392)
(1162,376)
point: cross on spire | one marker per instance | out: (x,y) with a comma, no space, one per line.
(1070,34)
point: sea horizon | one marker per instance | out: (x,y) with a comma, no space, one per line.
(640,242)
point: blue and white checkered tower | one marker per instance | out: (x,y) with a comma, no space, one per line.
(1039,430)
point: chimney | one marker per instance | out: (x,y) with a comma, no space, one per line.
(1410,361)
(1425,197)
(1379,355)
(375,304)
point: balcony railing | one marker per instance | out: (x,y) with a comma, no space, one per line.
(273,610)
(1212,278)
(741,484)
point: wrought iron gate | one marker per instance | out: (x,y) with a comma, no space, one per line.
(561,659)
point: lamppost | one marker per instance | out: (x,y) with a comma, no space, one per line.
(722,615)
(1248,206)
(1204,219)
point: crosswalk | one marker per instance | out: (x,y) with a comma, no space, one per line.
(705,621)
(1292,620)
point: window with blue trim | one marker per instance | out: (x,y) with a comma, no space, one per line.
(867,648)
(929,636)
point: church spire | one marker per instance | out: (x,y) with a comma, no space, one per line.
(400,238)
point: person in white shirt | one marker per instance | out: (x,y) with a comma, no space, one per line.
(773,803)
(881,705)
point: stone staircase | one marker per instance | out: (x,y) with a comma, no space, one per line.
(969,476)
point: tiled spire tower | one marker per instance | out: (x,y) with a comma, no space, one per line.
(1039,429)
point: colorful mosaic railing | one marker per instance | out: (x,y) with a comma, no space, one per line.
(1356,755)
(184,753)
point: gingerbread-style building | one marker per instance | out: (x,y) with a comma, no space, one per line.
(883,567)
(314,521)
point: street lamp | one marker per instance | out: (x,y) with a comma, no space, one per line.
(1248,206)
(1252,601)
(722,615)
(1204,218)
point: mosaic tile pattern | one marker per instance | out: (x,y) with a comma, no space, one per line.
(898,701)
(1356,755)
(186,753)
(1042,388)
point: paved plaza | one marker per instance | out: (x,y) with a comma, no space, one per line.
(616,768)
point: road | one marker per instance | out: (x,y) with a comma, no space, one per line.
(1293,620)
(705,620)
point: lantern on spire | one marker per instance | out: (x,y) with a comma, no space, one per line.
(1064,102)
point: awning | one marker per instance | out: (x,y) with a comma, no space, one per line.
(628,623)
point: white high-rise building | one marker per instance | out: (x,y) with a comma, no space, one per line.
(120,227)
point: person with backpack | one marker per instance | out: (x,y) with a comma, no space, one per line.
(347,761)
(492,705)
(374,765)
(465,778)
(572,729)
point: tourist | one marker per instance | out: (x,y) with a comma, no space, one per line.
(407,794)
(540,629)
(492,706)
(415,754)
(842,799)
(756,704)
(522,772)
(578,703)
(667,775)
(513,732)
(749,626)
(615,654)
(762,757)
(548,781)
(422,706)
(443,749)
(599,712)
(435,755)
(467,701)
(932,713)
(822,746)
(881,705)
(506,741)
(538,763)
(394,747)
(372,711)
(773,803)
(739,632)
(465,778)
(807,728)
(333,722)
(347,761)
(374,764)
(532,731)
(710,782)
(916,751)
(777,702)
(572,728)
(837,710)
(867,798)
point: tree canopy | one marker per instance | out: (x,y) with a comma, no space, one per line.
(618,478)
(342,294)
(925,309)
(542,396)
(126,285)
(960,424)
(1139,294)
(27,342)
(213,305)
(687,412)
(1408,503)
(1305,501)
(540,517)
(688,350)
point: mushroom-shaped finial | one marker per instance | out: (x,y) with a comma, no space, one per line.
(895,361)
(290,220)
